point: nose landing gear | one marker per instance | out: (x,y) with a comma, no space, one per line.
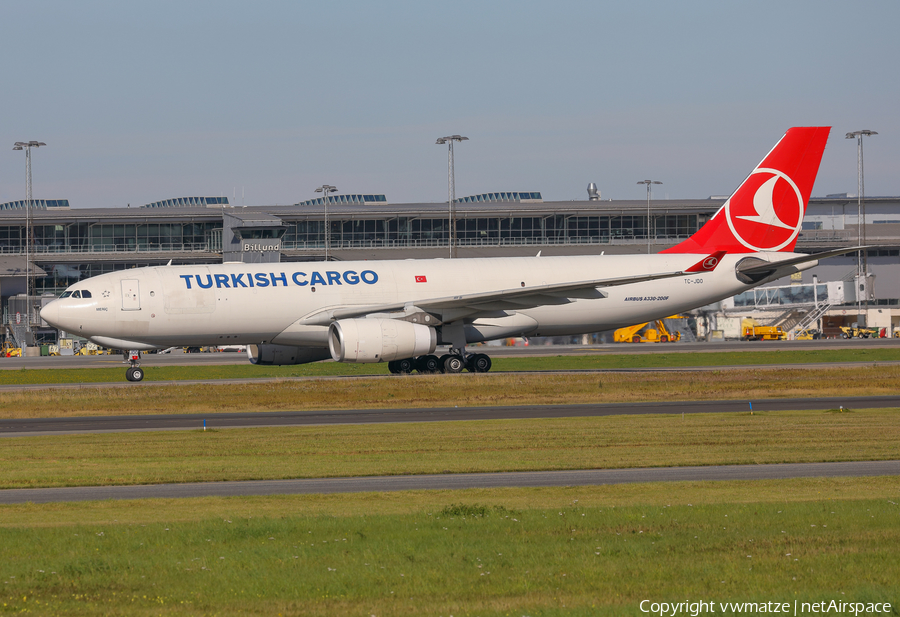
(134,372)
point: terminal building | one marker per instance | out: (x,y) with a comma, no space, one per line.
(75,243)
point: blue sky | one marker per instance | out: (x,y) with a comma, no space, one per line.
(141,101)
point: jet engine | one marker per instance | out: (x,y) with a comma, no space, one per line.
(379,340)
(285,354)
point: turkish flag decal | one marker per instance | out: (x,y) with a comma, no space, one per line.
(421,279)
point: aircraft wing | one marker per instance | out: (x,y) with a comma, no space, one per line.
(469,305)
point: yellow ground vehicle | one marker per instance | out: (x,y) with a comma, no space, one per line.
(90,349)
(640,333)
(763,333)
(854,332)
(807,335)
(10,351)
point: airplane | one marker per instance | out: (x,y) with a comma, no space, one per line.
(399,311)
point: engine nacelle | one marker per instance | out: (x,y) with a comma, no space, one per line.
(379,340)
(285,354)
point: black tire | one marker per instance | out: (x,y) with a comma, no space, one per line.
(128,374)
(134,374)
(428,364)
(453,364)
(392,367)
(406,365)
(479,363)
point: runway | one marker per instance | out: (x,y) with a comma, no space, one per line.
(583,477)
(100,424)
(210,359)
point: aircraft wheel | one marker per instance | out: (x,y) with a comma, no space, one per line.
(134,374)
(428,364)
(453,364)
(392,367)
(479,363)
(406,365)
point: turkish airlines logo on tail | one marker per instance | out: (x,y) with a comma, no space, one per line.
(766,213)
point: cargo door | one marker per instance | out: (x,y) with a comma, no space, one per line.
(131,297)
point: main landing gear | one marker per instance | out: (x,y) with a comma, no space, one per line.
(134,372)
(448,363)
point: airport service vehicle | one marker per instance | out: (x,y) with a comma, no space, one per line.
(638,334)
(763,333)
(400,311)
(10,351)
(856,332)
(808,334)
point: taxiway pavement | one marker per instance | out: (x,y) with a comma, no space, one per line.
(582,477)
(106,424)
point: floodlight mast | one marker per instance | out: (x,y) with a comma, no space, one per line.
(648,183)
(862,262)
(325,189)
(29,235)
(451,188)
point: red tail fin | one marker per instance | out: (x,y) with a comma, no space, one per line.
(766,212)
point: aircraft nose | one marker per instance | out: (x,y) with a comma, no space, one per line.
(50,313)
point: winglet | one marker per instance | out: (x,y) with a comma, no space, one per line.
(707,264)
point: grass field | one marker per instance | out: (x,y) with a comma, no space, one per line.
(447,447)
(452,390)
(550,551)
(572,551)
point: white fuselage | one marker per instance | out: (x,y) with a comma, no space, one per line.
(265,303)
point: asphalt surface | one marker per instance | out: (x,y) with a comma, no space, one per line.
(99,424)
(586,477)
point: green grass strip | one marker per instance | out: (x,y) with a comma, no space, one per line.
(603,361)
(447,447)
(452,391)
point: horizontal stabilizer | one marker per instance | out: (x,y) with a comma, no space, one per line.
(757,266)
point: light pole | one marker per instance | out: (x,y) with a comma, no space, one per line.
(648,183)
(325,189)
(29,282)
(862,265)
(452,189)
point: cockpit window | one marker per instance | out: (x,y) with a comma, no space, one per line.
(85,293)
(76,293)
(66,294)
